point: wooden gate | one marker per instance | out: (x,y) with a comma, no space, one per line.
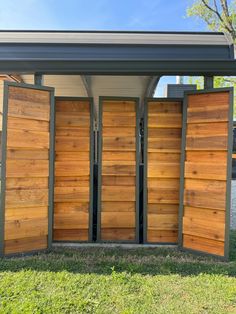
(162,148)
(27,168)
(118,164)
(73,199)
(206,171)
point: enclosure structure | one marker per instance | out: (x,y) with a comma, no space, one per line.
(88,154)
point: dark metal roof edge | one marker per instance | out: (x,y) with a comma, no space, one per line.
(111,32)
(107,60)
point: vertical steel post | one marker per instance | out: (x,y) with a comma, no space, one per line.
(38,79)
(208,82)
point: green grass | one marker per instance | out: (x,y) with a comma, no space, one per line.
(118,281)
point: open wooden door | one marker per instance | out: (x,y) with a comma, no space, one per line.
(206,171)
(73,184)
(27,168)
(118,170)
(162,150)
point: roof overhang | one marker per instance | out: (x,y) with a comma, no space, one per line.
(116,53)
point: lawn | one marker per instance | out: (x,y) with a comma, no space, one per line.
(115,280)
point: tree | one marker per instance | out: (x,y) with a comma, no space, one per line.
(219,15)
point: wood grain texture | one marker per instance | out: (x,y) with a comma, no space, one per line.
(163,169)
(203,245)
(72,170)
(26,244)
(27,170)
(118,172)
(205,176)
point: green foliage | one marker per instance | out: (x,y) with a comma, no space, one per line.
(96,280)
(213,14)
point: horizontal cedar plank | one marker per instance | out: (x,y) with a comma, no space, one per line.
(29,110)
(207,114)
(17,229)
(165,157)
(211,99)
(28,154)
(204,213)
(79,181)
(29,94)
(27,168)
(205,193)
(164,107)
(162,120)
(116,193)
(166,144)
(70,105)
(205,171)
(206,199)
(203,245)
(162,222)
(26,213)
(206,185)
(27,139)
(66,144)
(164,133)
(162,208)
(79,119)
(26,198)
(72,168)
(27,124)
(72,132)
(114,119)
(207,129)
(25,244)
(111,155)
(72,156)
(117,234)
(26,183)
(164,183)
(76,220)
(162,236)
(118,106)
(164,170)
(206,156)
(118,180)
(118,220)
(163,195)
(118,163)
(202,228)
(217,142)
(114,132)
(71,207)
(71,194)
(119,170)
(112,114)
(70,235)
(118,206)
(119,143)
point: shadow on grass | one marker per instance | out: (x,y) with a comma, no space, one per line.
(103,261)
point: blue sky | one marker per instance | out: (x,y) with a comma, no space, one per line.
(97,14)
(100,15)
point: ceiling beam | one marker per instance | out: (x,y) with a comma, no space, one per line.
(86,79)
(151,86)
(146,68)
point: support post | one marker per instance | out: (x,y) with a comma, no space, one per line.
(208,82)
(38,79)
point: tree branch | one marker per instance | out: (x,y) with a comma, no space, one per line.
(225,9)
(217,13)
